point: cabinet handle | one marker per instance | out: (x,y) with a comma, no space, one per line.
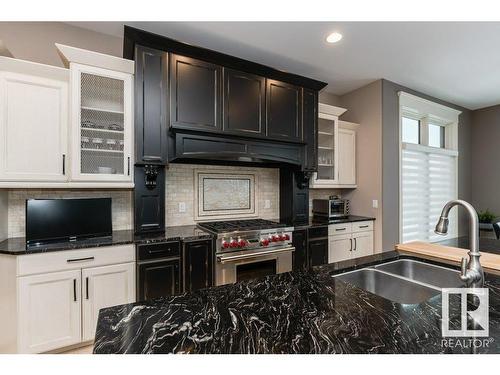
(128,166)
(80,260)
(363,226)
(64,164)
(340,229)
(87,287)
(350,239)
(74,290)
(355,244)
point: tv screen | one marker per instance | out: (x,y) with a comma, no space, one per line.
(50,220)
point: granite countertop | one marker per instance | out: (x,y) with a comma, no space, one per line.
(295,312)
(317,222)
(17,246)
(488,245)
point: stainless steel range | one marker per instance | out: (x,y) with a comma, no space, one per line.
(248,249)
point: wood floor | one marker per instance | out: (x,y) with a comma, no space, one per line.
(83,350)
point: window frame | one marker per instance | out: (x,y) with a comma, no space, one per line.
(427,112)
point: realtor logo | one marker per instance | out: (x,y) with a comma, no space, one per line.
(474,307)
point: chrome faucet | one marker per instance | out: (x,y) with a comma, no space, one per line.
(471,271)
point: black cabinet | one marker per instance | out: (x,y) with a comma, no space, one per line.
(244,103)
(318,245)
(195,94)
(198,264)
(149,198)
(284,111)
(310,129)
(299,241)
(151,105)
(294,196)
(158,279)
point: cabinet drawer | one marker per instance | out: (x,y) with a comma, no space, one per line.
(158,250)
(335,229)
(362,226)
(74,259)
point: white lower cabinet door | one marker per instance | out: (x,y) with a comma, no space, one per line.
(105,287)
(49,311)
(363,244)
(339,248)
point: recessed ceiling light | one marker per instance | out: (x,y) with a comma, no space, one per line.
(334,37)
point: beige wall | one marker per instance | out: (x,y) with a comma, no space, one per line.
(34,41)
(364,106)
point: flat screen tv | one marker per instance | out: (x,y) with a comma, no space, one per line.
(52,220)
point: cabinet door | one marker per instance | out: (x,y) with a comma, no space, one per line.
(49,311)
(195,94)
(149,201)
(151,107)
(101,108)
(284,111)
(340,248)
(158,279)
(299,241)
(363,244)
(33,128)
(310,129)
(318,252)
(105,287)
(197,265)
(244,103)
(347,157)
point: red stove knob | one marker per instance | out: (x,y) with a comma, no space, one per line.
(242,243)
(287,237)
(275,238)
(225,244)
(264,242)
(233,243)
(281,237)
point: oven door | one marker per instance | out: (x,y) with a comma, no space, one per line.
(246,265)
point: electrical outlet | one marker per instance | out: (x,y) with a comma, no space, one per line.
(267,203)
(182,206)
(375,203)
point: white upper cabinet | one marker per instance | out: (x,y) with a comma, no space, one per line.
(101,107)
(66,128)
(336,150)
(33,121)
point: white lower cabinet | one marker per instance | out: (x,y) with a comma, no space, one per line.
(58,295)
(104,287)
(349,241)
(49,311)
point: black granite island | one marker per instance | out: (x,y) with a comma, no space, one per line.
(308,312)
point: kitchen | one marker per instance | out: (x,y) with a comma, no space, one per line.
(203,212)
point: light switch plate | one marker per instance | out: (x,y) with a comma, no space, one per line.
(182,206)
(375,203)
(267,203)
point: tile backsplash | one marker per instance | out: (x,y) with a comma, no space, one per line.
(180,188)
(122,206)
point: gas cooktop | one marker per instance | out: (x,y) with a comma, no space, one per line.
(240,225)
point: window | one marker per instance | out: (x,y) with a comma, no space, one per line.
(436,135)
(410,130)
(428,174)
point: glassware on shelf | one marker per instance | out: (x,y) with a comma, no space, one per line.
(115,127)
(122,144)
(97,143)
(111,144)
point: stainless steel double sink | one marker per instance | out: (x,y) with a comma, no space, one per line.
(404,281)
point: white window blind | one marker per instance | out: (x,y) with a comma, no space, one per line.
(429,180)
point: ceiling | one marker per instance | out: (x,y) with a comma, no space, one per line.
(454,61)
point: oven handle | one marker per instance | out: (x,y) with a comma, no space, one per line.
(227,259)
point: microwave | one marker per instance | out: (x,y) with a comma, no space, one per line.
(332,208)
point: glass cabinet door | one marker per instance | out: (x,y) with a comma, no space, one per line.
(103,137)
(327,150)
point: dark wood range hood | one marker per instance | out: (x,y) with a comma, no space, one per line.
(195,105)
